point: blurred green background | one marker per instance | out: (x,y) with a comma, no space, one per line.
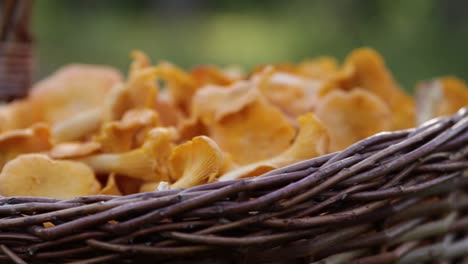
(419,39)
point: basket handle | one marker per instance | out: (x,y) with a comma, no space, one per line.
(16,20)
(16,49)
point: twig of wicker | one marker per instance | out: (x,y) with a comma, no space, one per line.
(393,197)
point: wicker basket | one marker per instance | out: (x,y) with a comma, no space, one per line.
(393,197)
(16,49)
(396,197)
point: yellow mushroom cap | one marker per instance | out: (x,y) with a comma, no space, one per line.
(72,150)
(320,68)
(168,113)
(38,175)
(180,84)
(189,128)
(257,132)
(142,88)
(212,103)
(72,89)
(455,95)
(77,126)
(439,97)
(139,61)
(21,141)
(311,141)
(207,74)
(241,121)
(367,70)
(127,133)
(352,116)
(139,91)
(293,94)
(19,114)
(195,162)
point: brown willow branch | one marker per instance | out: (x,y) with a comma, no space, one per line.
(438,251)
(373,239)
(429,229)
(13,257)
(132,249)
(394,164)
(388,257)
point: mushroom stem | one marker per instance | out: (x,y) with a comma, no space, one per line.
(77,126)
(146,163)
(136,164)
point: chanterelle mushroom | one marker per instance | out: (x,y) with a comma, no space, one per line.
(38,175)
(77,127)
(180,84)
(22,141)
(367,70)
(242,122)
(311,141)
(195,162)
(129,132)
(148,163)
(295,95)
(19,114)
(72,150)
(73,89)
(352,116)
(139,91)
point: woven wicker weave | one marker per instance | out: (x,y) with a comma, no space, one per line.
(394,197)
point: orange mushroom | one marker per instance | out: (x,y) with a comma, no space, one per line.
(212,103)
(234,72)
(440,97)
(352,115)
(139,61)
(181,85)
(139,91)
(77,126)
(19,114)
(22,141)
(293,94)
(311,141)
(189,128)
(455,93)
(242,122)
(365,68)
(128,133)
(148,163)
(195,162)
(72,89)
(168,113)
(38,175)
(321,68)
(72,150)
(207,74)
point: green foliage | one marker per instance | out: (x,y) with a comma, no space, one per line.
(420,39)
